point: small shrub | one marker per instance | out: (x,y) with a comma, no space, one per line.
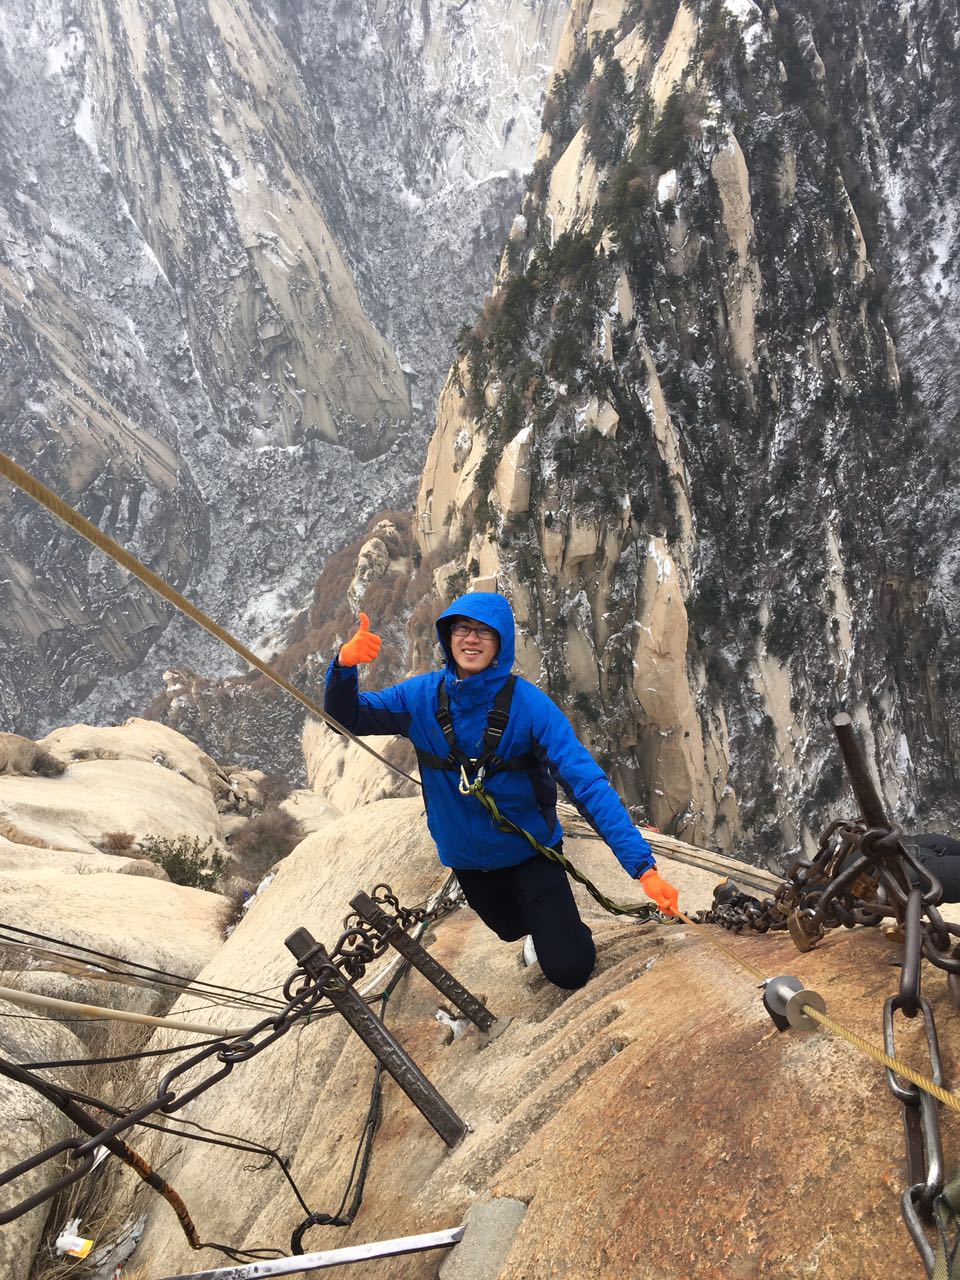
(829,784)
(607,109)
(232,911)
(782,636)
(456,584)
(116,842)
(586,707)
(185,860)
(563,110)
(94,753)
(264,840)
(274,789)
(671,136)
(45,765)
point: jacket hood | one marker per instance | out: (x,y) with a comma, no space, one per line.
(493,610)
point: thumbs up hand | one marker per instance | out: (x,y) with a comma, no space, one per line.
(363,646)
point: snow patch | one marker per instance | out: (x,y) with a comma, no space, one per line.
(903,757)
(83,126)
(748,14)
(667,187)
(664,563)
(62,57)
(235,181)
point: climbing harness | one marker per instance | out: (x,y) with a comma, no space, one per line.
(488,762)
(474,772)
(639,910)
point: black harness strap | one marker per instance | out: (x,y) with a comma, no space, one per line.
(488,762)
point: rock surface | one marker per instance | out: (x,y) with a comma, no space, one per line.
(699,330)
(166,926)
(140,778)
(347,776)
(654,1123)
(236,252)
(25,1117)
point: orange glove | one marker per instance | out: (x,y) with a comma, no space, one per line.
(661,891)
(361,647)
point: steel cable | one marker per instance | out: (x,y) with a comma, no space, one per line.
(35,489)
(199,986)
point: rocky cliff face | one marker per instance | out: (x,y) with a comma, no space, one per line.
(236,243)
(557,1103)
(701,431)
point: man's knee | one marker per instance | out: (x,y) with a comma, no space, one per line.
(571,967)
(509,932)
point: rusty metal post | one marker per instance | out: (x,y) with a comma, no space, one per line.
(391,931)
(317,964)
(868,798)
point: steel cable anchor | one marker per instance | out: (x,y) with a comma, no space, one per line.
(784,998)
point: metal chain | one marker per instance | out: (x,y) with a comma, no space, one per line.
(867,875)
(356,947)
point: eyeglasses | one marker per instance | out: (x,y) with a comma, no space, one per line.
(463,629)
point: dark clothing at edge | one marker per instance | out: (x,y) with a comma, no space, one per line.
(940,855)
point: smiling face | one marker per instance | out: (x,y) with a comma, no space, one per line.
(473,645)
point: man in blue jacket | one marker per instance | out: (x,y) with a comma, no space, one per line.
(475,710)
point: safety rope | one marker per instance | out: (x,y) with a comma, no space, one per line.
(63,962)
(193,986)
(35,489)
(190,1047)
(640,910)
(40,493)
(31,1000)
(63,1100)
(209,1137)
(16,474)
(947,1204)
(752,969)
(951,1100)
(359,1170)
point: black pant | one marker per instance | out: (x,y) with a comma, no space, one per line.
(535,897)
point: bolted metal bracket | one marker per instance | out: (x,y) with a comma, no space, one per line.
(389,928)
(317,964)
(784,998)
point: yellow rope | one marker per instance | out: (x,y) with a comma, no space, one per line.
(80,524)
(744,964)
(640,910)
(951,1100)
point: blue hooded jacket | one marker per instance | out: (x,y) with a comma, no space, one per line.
(462,828)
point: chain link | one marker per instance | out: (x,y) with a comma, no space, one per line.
(868,876)
(356,947)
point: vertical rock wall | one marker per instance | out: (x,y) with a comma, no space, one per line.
(683,437)
(236,243)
